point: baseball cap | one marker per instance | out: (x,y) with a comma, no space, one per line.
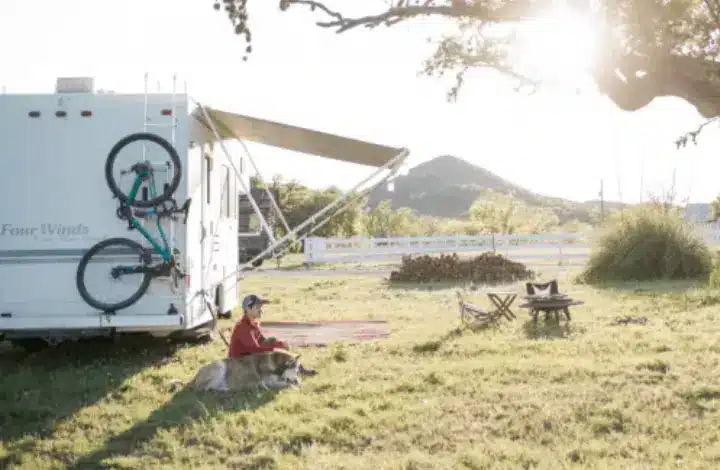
(252,300)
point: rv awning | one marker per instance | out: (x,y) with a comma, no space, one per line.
(232,126)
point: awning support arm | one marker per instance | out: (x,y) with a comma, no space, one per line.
(274,203)
(392,165)
(238,176)
(339,211)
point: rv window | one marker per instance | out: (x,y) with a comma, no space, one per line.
(227,192)
(232,196)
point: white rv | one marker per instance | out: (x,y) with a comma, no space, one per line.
(57,205)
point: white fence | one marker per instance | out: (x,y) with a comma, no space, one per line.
(563,249)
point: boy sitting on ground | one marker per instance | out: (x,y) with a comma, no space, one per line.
(248,339)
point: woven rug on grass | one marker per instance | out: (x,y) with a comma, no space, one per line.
(322,333)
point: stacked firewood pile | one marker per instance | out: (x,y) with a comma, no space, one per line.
(487,268)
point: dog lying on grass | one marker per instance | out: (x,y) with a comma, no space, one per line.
(274,370)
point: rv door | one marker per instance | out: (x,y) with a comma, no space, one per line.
(206,220)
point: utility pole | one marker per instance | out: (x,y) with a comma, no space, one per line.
(602,203)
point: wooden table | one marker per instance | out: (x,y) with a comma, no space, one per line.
(550,304)
(502,301)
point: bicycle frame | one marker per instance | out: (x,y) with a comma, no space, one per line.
(164,249)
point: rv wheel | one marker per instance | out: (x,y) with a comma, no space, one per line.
(204,338)
(200,335)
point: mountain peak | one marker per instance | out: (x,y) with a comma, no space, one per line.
(445,163)
(445,186)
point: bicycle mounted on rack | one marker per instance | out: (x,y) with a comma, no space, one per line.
(131,209)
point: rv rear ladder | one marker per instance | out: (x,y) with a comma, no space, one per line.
(173,126)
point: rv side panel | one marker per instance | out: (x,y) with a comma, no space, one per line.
(57,205)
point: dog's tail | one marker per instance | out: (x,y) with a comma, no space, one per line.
(210,377)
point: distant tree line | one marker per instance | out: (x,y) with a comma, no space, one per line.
(491,213)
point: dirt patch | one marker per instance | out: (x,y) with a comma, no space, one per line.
(322,333)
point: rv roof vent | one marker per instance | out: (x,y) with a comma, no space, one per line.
(74,85)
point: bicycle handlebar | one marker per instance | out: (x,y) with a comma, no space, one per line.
(147,167)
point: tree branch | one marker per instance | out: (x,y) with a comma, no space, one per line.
(695,79)
(513,11)
(692,135)
(652,49)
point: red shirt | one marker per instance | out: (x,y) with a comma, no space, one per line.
(246,339)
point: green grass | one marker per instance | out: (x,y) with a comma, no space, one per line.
(591,395)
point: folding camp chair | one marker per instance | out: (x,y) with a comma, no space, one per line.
(473,315)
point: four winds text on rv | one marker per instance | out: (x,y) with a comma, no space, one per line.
(9,230)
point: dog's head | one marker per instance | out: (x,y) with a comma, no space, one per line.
(287,367)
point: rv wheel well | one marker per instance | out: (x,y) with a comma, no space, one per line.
(220,303)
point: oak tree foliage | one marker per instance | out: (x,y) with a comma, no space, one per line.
(649,48)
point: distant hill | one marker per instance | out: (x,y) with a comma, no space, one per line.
(447,186)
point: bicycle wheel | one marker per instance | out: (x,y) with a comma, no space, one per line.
(109,256)
(167,191)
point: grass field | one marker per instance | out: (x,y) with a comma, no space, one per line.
(591,395)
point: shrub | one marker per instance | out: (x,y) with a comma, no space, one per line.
(714,281)
(648,243)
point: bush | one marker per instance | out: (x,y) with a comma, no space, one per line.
(648,243)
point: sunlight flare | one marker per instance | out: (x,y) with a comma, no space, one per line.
(563,45)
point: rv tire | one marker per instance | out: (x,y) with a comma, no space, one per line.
(80,275)
(167,191)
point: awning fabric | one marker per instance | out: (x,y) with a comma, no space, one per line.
(231,125)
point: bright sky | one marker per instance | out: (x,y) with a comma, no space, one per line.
(363,84)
